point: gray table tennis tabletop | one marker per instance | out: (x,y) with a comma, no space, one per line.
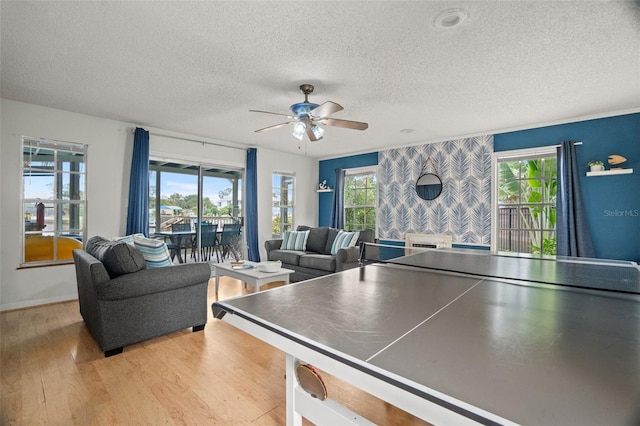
(488,349)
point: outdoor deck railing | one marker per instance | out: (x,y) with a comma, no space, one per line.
(167,220)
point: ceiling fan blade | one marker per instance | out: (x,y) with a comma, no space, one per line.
(275,126)
(269,112)
(325,109)
(347,124)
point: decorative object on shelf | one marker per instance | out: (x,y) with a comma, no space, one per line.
(616,160)
(428,185)
(596,166)
(323,187)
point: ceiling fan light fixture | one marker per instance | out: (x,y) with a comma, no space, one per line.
(317,131)
(299,130)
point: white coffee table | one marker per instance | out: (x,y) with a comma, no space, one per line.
(251,276)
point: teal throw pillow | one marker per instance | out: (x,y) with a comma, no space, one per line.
(344,239)
(155,252)
(295,240)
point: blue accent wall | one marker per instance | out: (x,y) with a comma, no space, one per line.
(612,203)
(327,171)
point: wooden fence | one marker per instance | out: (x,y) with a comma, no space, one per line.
(514,224)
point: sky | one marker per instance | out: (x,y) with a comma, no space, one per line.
(41,187)
(188,184)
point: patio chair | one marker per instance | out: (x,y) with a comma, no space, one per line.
(208,240)
(180,242)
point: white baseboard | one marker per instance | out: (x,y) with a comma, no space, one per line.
(37,302)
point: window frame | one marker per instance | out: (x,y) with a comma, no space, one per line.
(58,202)
(283,225)
(545,152)
(361,171)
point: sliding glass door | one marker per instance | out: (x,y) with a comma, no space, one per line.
(193,194)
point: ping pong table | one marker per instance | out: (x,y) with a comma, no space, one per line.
(459,338)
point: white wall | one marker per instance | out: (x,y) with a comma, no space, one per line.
(108,161)
(305,197)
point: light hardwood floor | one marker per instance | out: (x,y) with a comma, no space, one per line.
(52,372)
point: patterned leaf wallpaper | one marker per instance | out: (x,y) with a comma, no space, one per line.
(463,209)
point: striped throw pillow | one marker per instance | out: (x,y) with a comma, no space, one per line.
(155,252)
(344,239)
(128,239)
(295,240)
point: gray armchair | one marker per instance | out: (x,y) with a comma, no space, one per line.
(130,307)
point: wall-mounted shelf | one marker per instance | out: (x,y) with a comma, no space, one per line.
(611,172)
(325,190)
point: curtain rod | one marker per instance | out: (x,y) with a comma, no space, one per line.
(192,140)
(574,144)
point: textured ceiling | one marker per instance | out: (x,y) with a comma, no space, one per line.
(198,67)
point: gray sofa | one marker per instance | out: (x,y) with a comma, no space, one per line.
(317,259)
(123,303)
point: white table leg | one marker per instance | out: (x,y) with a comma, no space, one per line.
(217,281)
(293,418)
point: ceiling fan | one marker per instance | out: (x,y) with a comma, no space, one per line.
(307,117)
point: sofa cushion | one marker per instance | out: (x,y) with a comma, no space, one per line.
(331,236)
(155,252)
(317,239)
(344,239)
(366,236)
(295,240)
(324,262)
(118,258)
(291,257)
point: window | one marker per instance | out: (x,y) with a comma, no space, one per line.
(174,196)
(360,198)
(526,202)
(53,200)
(282,203)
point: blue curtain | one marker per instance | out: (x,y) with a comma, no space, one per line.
(572,230)
(337,209)
(138,211)
(251,205)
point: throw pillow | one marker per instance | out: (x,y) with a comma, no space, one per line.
(155,252)
(344,239)
(118,258)
(295,240)
(317,239)
(331,237)
(127,238)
